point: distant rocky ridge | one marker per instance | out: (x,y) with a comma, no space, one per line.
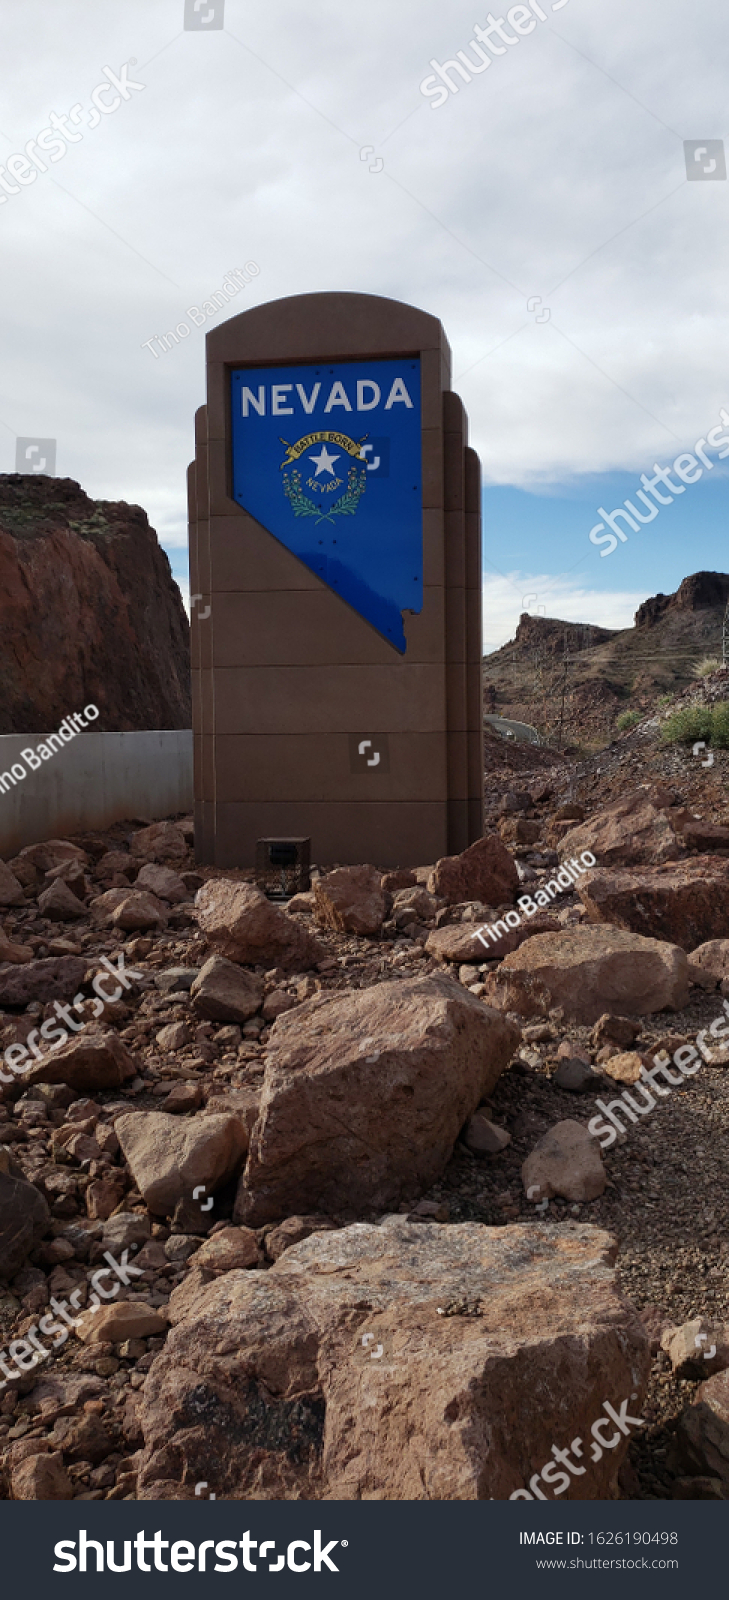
(89,612)
(583,677)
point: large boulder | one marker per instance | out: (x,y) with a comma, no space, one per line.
(24,1218)
(632,831)
(243,925)
(364,1095)
(90,1060)
(684,902)
(224,992)
(587,971)
(169,1157)
(351,900)
(404,1361)
(485,871)
(56,978)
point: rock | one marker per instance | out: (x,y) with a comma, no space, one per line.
(566,1161)
(102,907)
(183,1097)
(583,970)
(614,1030)
(625,1067)
(519,830)
(60,904)
(175,978)
(458,1407)
(364,1095)
(170,1158)
(690,1348)
(11,892)
(225,992)
(82,1438)
(57,978)
(88,1062)
(301,902)
(276,1003)
(485,871)
(400,879)
(126,1229)
(702,1435)
(417,902)
(682,903)
(174,1036)
(118,1320)
(104,1194)
(16,954)
(162,841)
(350,900)
(484,1138)
(162,882)
(461,941)
(292,1231)
(632,831)
(51,853)
(24,1218)
(138,911)
(41,1477)
(244,926)
(710,960)
(228,1250)
(114,862)
(575,1076)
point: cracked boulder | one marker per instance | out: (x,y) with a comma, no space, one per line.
(589,970)
(364,1095)
(404,1361)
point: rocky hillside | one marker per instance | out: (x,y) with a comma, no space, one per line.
(89,613)
(581,677)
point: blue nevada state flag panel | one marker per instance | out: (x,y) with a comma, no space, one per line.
(328,459)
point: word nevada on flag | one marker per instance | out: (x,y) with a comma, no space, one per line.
(328,459)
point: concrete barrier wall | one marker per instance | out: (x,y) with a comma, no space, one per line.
(96,779)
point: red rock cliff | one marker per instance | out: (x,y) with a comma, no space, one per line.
(89,613)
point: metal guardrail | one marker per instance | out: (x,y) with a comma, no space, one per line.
(522,732)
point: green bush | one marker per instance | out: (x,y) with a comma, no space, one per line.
(720,726)
(627,720)
(688,725)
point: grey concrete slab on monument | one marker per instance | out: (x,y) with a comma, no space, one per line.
(335,548)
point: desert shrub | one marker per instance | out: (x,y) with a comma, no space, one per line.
(688,725)
(627,720)
(720,725)
(709,664)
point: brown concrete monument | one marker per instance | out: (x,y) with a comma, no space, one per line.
(335,575)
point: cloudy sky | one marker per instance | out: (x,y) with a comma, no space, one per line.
(553,185)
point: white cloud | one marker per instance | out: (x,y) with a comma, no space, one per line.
(504,599)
